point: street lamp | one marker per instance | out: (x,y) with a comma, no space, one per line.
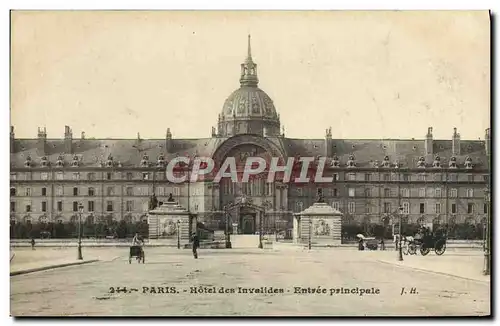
(80,212)
(178,234)
(310,233)
(228,236)
(400,252)
(265,205)
(487,266)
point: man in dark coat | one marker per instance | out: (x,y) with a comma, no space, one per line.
(196,244)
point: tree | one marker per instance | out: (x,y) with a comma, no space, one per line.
(121,229)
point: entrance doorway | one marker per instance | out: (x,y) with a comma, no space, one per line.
(248,224)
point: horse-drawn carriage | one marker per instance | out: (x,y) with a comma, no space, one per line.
(425,242)
(138,253)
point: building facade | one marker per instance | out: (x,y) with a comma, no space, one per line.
(440,181)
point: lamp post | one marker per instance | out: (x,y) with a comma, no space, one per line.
(265,205)
(228,236)
(310,233)
(80,212)
(400,251)
(487,266)
(178,234)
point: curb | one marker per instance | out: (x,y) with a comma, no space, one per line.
(434,272)
(39,269)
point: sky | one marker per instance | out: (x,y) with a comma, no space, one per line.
(368,75)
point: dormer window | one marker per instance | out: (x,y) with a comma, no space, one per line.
(397,165)
(60,161)
(335,162)
(27,163)
(386,163)
(145,161)
(160,162)
(468,163)
(75,163)
(421,162)
(109,162)
(437,162)
(453,163)
(44,161)
(351,162)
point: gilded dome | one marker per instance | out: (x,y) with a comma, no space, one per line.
(249,102)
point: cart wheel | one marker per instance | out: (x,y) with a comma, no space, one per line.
(412,249)
(440,248)
(424,250)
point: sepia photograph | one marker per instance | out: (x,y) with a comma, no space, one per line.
(250,163)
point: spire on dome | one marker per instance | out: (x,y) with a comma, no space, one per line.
(249,70)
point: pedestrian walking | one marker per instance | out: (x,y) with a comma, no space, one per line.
(32,243)
(196,244)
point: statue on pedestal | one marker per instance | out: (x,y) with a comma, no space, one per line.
(170,198)
(321,199)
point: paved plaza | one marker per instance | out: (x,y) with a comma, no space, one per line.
(250,282)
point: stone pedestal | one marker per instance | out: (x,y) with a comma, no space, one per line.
(170,223)
(320,223)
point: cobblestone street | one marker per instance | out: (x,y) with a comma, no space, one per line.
(85,289)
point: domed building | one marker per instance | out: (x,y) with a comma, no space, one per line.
(431,180)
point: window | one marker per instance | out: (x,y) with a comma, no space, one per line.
(368,177)
(352,192)
(44,176)
(387,192)
(76,176)
(13,176)
(452,177)
(59,206)
(406,208)
(453,208)
(145,176)
(130,176)
(319,191)
(387,207)
(406,177)
(438,208)
(437,192)
(91,206)
(161,191)
(299,191)
(12,191)
(44,191)
(13,206)
(470,208)
(161,175)
(470,178)
(75,191)
(351,176)
(129,191)
(91,176)
(109,206)
(59,191)
(421,177)
(336,205)
(130,206)
(335,192)
(28,208)
(59,176)
(485,208)
(335,177)
(352,207)
(486,178)
(44,206)
(28,191)
(422,208)
(406,192)
(176,191)
(91,192)
(421,192)
(75,206)
(470,193)
(108,176)
(387,177)
(110,191)
(368,192)
(367,209)
(453,192)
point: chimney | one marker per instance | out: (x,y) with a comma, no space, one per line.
(68,140)
(12,139)
(428,142)
(41,144)
(328,143)
(487,142)
(168,142)
(455,143)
